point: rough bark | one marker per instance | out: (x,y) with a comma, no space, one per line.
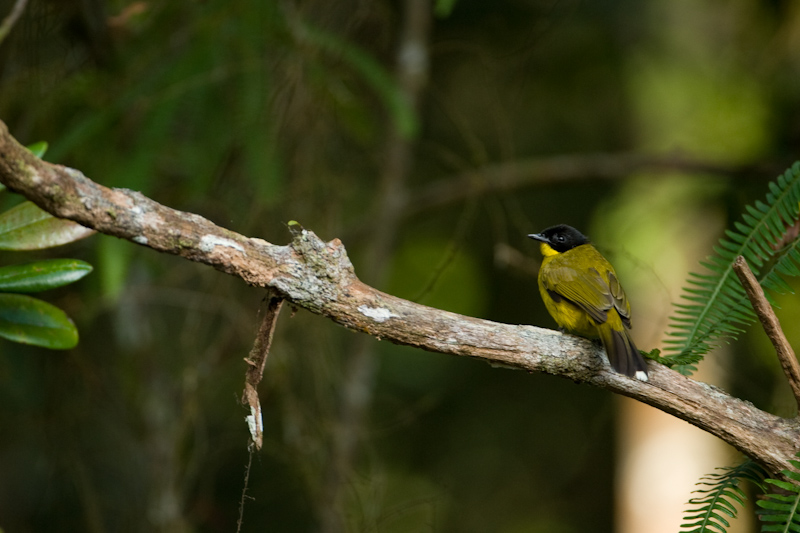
(319,277)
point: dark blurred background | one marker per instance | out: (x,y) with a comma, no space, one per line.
(431,138)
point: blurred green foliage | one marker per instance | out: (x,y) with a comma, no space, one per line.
(253,113)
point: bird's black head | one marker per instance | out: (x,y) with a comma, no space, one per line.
(561,238)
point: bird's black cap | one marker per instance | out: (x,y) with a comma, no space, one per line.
(561,238)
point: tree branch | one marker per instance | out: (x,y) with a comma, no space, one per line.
(771,324)
(12,18)
(504,177)
(255,369)
(319,277)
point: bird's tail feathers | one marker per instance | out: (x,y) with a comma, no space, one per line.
(622,353)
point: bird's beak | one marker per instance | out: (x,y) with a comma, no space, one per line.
(538,237)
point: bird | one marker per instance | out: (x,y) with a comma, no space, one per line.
(582,293)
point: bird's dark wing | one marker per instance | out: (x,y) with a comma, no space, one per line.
(620,300)
(586,289)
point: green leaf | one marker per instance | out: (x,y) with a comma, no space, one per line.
(27,227)
(295,228)
(785,485)
(38,149)
(42,275)
(29,320)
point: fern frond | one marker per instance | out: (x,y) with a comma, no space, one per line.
(672,361)
(723,498)
(714,306)
(781,511)
(787,264)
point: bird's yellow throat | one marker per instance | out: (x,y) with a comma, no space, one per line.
(547,250)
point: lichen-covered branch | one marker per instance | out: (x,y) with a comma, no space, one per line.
(319,277)
(256,362)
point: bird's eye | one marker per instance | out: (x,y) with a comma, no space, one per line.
(560,238)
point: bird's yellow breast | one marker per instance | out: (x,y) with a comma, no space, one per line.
(567,315)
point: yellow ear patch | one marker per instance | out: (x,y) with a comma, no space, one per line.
(547,250)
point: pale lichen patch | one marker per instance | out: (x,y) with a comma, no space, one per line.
(209,242)
(255,424)
(378,314)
